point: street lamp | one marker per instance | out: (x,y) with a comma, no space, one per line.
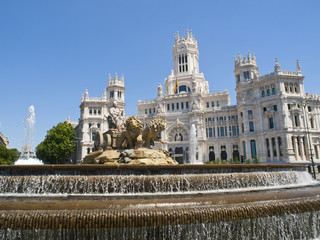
(304,103)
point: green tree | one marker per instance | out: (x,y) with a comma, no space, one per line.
(8,156)
(58,144)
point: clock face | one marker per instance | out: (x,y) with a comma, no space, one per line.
(181,47)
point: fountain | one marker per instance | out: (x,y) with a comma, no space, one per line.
(158,202)
(27,156)
(193,145)
(170,201)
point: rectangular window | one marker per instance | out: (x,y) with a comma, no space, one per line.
(210,132)
(149,110)
(90,111)
(234,131)
(209,119)
(172,106)
(249,112)
(251,126)
(218,104)
(168,106)
(226,131)
(207,132)
(296,120)
(182,105)
(177,106)
(222,131)
(253,148)
(146,111)
(208,105)
(242,127)
(275,108)
(218,131)
(214,132)
(212,104)
(187,105)
(99,111)
(271,124)
(230,132)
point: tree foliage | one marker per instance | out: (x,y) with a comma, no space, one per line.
(8,156)
(58,144)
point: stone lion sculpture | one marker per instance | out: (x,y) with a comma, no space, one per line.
(131,136)
(151,132)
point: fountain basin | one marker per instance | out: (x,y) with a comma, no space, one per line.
(158,202)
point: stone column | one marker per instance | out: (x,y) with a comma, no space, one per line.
(301,148)
(296,150)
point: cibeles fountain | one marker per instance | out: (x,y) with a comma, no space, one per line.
(128,192)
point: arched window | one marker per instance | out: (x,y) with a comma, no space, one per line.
(263,93)
(178,137)
(268,147)
(280,146)
(268,91)
(274,147)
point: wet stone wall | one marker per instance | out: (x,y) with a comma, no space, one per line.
(250,222)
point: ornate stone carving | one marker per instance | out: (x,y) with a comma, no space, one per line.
(151,132)
(131,136)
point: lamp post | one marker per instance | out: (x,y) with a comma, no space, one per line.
(304,102)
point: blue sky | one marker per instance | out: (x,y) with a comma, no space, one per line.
(51,51)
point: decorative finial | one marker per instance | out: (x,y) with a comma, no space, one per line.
(191,34)
(104,96)
(277,67)
(86,95)
(177,36)
(187,33)
(249,55)
(239,57)
(82,98)
(298,67)
(122,78)
(68,118)
(116,77)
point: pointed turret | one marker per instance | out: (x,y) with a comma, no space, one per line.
(245,67)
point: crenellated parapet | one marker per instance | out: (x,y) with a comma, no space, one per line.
(116,81)
(245,61)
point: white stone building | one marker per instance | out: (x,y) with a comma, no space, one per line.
(270,121)
(97,114)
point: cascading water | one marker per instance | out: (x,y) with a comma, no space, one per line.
(156,202)
(153,184)
(193,145)
(27,156)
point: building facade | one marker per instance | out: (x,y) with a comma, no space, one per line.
(98,114)
(274,119)
(4,141)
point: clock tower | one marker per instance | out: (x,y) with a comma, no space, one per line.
(185,76)
(185,55)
